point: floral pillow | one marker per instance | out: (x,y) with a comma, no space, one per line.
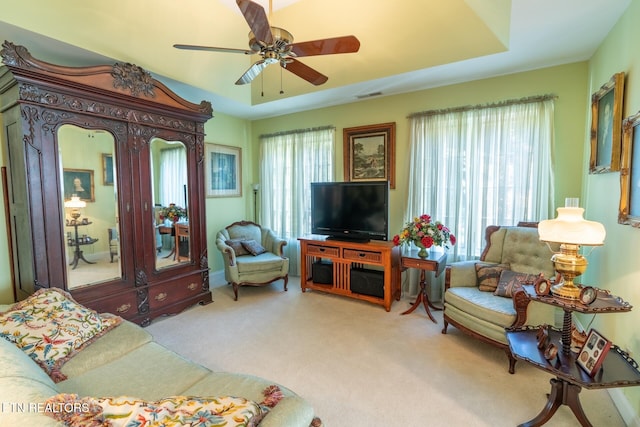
(51,327)
(176,411)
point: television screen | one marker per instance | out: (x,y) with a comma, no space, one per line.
(350,210)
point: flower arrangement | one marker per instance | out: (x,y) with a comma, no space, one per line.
(424,233)
(173,212)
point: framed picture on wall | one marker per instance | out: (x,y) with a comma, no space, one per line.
(78,182)
(369,153)
(629,211)
(223,171)
(107,169)
(606,126)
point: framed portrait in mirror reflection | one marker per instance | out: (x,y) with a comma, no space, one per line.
(78,182)
(107,169)
(223,171)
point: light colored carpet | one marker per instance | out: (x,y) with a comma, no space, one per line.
(360,366)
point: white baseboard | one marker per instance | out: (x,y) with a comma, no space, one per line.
(624,407)
(216,277)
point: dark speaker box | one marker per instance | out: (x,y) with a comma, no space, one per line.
(322,272)
(367,282)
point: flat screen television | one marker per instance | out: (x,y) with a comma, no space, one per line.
(350,210)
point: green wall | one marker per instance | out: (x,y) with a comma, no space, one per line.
(615,266)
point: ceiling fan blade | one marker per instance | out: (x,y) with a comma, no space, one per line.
(213,49)
(253,72)
(256,17)
(304,72)
(346,44)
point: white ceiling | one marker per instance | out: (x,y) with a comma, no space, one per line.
(406,45)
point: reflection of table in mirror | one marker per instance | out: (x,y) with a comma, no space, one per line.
(166,230)
(180,233)
(77,242)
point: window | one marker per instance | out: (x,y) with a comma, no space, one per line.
(289,163)
(477,166)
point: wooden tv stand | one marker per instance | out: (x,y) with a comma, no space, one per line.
(346,255)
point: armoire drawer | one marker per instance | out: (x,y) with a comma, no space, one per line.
(124,305)
(169,293)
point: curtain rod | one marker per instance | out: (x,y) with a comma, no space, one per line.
(289,132)
(484,106)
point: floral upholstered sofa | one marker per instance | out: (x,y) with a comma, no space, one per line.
(63,364)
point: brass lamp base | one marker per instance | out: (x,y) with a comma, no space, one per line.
(570,265)
(562,290)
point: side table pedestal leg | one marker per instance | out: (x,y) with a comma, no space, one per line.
(562,393)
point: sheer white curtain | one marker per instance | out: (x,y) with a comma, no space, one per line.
(173,176)
(478,166)
(289,163)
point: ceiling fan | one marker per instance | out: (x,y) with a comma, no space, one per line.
(275,46)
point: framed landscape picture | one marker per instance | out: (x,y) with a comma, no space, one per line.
(369,153)
(629,211)
(78,182)
(606,126)
(223,170)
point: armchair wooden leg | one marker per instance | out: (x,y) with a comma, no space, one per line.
(444,327)
(286,280)
(235,291)
(512,361)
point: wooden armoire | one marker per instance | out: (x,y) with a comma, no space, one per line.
(95,132)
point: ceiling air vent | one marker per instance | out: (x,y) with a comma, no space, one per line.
(369,95)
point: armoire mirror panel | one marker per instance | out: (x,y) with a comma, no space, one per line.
(90,203)
(171,211)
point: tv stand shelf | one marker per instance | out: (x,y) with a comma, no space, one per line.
(346,256)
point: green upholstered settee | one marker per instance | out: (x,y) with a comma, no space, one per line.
(125,361)
(245,266)
(485,315)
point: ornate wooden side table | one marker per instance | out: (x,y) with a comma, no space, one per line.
(436,261)
(618,369)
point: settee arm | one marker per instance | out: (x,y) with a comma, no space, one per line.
(521,302)
(461,273)
(273,243)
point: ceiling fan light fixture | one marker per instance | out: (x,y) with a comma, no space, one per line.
(275,45)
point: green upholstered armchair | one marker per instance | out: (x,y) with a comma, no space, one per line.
(484,314)
(252,255)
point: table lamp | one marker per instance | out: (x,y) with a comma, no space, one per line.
(75,204)
(571,230)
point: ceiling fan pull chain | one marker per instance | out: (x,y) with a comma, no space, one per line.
(281,91)
(262,85)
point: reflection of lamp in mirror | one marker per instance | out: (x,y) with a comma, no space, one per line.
(75,204)
(571,230)
(255,187)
